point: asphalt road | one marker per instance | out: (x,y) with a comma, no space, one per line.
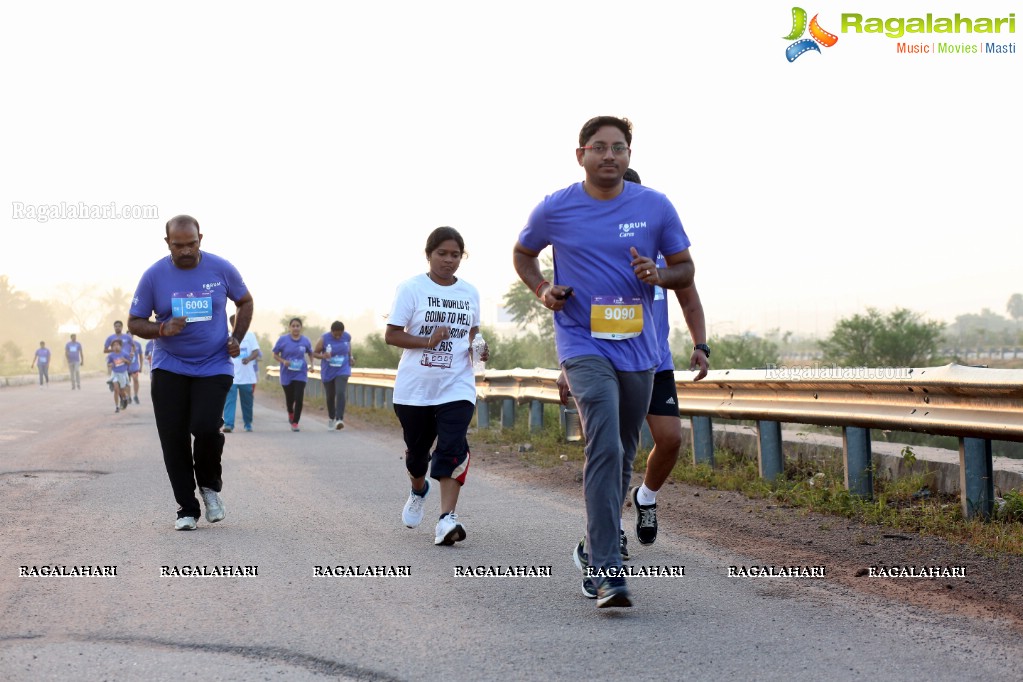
(80,485)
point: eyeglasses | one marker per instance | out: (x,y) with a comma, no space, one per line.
(618,148)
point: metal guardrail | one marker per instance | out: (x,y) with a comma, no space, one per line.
(977,405)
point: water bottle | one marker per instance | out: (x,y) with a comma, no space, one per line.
(571,422)
(330,350)
(478,345)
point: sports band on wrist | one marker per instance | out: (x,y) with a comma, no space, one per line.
(160,333)
(537,290)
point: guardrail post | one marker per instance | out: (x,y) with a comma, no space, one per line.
(535,415)
(703,440)
(976,477)
(389,399)
(859,477)
(315,388)
(507,413)
(769,452)
(482,414)
(378,397)
(646,439)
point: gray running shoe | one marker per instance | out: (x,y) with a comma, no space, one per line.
(214,505)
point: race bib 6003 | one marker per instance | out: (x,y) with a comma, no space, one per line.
(193,306)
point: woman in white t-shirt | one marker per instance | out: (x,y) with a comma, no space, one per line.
(434,318)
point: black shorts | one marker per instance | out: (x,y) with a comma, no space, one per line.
(447,424)
(664,399)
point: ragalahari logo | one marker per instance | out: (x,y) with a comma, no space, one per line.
(817,35)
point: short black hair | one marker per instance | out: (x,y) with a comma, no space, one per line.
(631,176)
(337,326)
(591,127)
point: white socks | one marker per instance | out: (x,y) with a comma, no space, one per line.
(645,496)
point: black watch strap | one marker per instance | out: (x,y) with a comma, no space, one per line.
(704,347)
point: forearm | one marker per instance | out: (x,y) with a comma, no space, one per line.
(399,338)
(677,276)
(242,319)
(692,311)
(140,326)
(527,266)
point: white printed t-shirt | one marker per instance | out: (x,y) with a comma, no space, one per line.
(443,374)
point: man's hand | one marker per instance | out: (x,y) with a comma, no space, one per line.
(555,295)
(233,348)
(645,268)
(698,360)
(173,326)
(563,391)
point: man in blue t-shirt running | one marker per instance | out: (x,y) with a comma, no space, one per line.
(192,367)
(606,234)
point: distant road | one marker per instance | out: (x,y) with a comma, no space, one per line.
(81,486)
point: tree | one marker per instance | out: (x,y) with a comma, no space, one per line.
(23,321)
(737,351)
(1015,307)
(373,352)
(78,305)
(116,304)
(900,339)
(526,309)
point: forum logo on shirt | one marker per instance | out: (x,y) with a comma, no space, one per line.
(818,36)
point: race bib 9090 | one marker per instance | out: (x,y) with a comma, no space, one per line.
(616,317)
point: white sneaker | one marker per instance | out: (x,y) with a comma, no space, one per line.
(330,424)
(339,425)
(185,523)
(449,530)
(214,505)
(412,514)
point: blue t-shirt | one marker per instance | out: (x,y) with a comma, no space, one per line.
(591,240)
(73,351)
(661,320)
(201,294)
(293,350)
(136,358)
(339,363)
(42,357)
(124,338)
(120,361)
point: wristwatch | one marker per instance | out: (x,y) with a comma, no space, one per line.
(704,347)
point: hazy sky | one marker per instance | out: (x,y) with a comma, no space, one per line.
(319,143)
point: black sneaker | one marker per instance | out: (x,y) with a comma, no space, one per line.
(623,546)
(582,562)
(580,557)
(646,519)
(612,592)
